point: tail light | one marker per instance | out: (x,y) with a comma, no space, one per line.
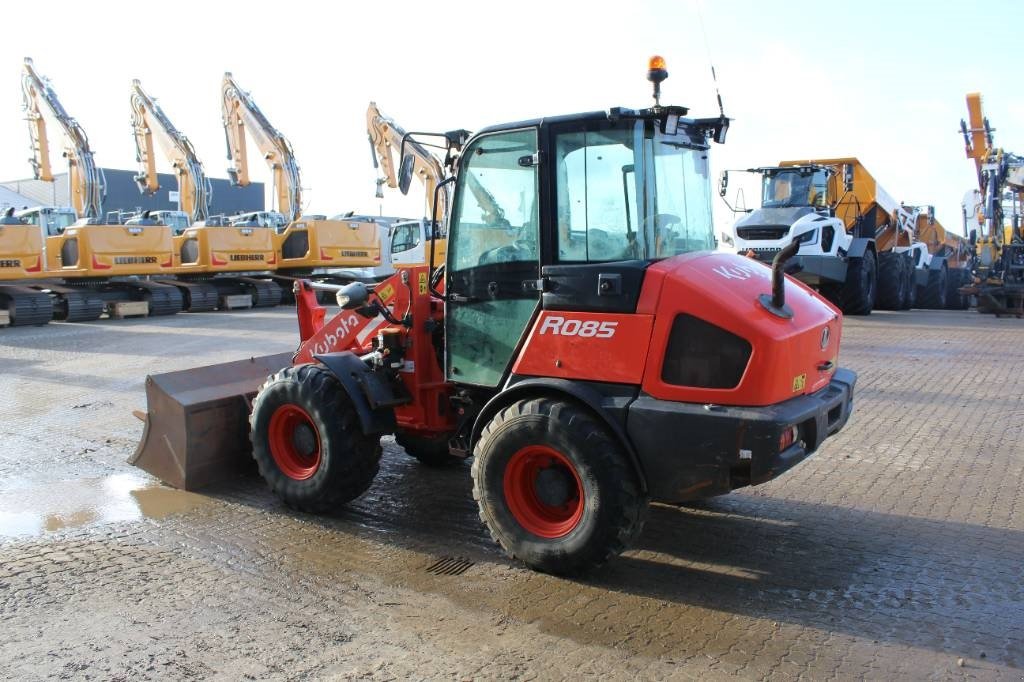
(702,355)
(788,437)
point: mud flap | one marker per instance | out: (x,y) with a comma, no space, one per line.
(197,421)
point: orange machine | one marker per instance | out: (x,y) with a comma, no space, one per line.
(648,368)
(216,265)
(21,258)
(309,245)
(103,261)
(995,222)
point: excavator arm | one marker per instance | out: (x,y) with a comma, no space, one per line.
(997,170)
(85,179)
(386,141)
(241,114)
(149,121)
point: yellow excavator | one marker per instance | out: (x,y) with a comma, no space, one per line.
(217,266)
(994,223)
(99,265)
(411,242)
(307,246)
(21,258)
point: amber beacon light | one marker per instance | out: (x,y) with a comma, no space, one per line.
(656,73)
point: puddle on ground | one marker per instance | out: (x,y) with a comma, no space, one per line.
(34,509)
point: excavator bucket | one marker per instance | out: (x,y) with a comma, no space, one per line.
(197,421)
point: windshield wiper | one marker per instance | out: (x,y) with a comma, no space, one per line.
(685,145)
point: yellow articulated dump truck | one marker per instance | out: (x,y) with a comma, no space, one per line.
(858,246)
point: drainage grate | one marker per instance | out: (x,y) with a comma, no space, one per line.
(449,566)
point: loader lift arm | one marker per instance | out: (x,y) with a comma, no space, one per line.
(386,141)
(149,121)
(240,114)
(85,179)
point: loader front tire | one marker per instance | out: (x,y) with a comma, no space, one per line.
(555,488)
(307,440)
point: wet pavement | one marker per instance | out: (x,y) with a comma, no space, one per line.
(896,551)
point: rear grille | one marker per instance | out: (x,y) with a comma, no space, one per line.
(702,355)
(762,232)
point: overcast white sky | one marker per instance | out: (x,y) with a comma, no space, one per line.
(884,81)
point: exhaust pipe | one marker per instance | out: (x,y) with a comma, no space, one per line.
(776,303)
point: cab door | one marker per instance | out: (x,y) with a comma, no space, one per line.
(493,259)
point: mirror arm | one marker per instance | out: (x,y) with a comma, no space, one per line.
(433,234)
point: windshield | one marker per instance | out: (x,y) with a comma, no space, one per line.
(271,219)
(794,187)
(176,220)
(631,193)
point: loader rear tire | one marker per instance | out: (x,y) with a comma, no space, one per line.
(857,296)
(307,440)
(554,488)
(433,452)
(892,283)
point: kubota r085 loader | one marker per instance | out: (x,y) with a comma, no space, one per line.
(589,349)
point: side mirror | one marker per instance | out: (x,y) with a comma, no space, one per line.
(848,177)
(722,129)
(723,183)
(405,173)
(352,295)
(974,237)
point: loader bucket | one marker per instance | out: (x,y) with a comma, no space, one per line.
(197,421)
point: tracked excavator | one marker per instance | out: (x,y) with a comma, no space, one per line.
(99,266)
(21,258)
(308,245)
(587,348)
(858,246)
(410,241)
(994,223)
(216,266)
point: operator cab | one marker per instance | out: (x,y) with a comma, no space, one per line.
(178,221)
(269,219)
(52,219)
(626,188)
(795,187)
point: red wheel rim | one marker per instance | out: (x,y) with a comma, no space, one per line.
(294,442)
(543,491)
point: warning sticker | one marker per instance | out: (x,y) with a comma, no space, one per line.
(799,382)
(386,294)
(423,283)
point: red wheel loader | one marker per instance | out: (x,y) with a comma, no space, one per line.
(583,343)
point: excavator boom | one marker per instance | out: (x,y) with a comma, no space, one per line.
(84,176)
(386,139)
(149,121)
(241,114)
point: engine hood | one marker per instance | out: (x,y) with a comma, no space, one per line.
(774,216)
(789,357)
